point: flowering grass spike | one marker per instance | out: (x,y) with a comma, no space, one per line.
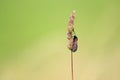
(71,36)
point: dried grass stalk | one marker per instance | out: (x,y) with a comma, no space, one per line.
(72,40)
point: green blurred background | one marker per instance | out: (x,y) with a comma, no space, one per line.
(33,39)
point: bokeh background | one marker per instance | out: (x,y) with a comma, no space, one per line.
(33,39)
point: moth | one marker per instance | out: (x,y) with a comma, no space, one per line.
(75,44)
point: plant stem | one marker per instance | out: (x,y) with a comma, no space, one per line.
(72,71)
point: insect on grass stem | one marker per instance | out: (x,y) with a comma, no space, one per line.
(72,40)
